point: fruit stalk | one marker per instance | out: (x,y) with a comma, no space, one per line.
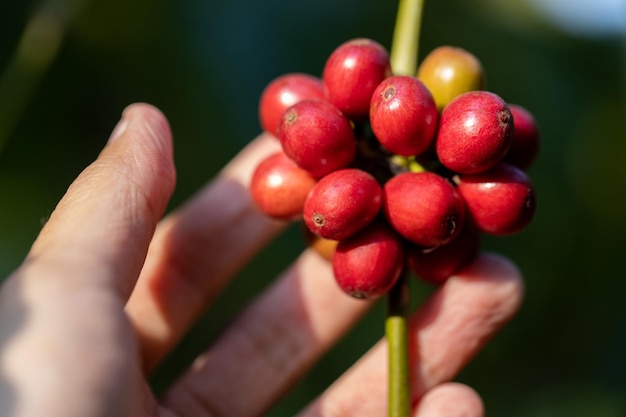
(399,397)
(406,35)
(403,56)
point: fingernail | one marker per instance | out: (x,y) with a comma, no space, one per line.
(118,130)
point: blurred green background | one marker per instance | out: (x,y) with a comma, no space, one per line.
(68,68)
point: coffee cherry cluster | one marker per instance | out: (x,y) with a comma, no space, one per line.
(389,171)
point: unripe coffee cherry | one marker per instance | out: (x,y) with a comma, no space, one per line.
(423,207)
(500,201)
(475,132)
(368,264)
(449,72)
(352,73)
(284,92)
(279,187)
(525,146)
(323,247)
(436,265)
(342,203)
(403,115)
(317,136)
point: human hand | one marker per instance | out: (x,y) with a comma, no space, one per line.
(84,320)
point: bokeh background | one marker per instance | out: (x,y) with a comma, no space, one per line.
(68,68)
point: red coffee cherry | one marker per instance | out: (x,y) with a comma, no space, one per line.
(475,132)
(423,207)
(317,136)
(403,115)
(279,187)
(500,201)
(342,203)
(436,265)
(525,146)
(284,92)
(367,264)
(352,73)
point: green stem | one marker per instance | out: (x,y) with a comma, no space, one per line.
(406,36)
(404,53)
(396,330)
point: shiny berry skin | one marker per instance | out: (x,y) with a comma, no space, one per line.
(500,201)
(279,187)
(352,73)
(448,72)
(525,146)
(436,265)
(283,92)
(423,207)
(368,264)
(475,132)
(403,115)
(317,136)
(342,203)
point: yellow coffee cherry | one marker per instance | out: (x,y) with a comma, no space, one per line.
(324,247)
(449,71)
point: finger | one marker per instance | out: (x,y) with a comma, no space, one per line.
(445,333)
(196,250)
(450,399)
(270,345)
(99,232)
